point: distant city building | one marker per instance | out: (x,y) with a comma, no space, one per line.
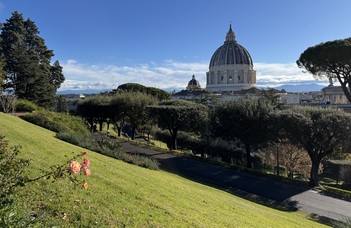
(230,68)
(334,95)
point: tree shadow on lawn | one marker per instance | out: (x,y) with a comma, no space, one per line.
(258,189)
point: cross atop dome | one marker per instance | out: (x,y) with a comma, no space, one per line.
(230,35)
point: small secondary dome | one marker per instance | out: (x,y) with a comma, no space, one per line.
(230,52)
(193,84)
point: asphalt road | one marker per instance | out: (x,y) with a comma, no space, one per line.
(246,185)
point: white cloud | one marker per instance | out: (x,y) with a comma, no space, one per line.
(170,74)
(276,74)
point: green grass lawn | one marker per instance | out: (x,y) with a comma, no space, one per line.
(124,195)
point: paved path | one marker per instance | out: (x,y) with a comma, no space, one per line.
(302,198)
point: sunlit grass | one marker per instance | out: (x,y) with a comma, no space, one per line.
(121,194)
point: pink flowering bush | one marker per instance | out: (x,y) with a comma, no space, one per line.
(74,168)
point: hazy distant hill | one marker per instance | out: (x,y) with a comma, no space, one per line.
(87,91)
(301,88)
(288,88)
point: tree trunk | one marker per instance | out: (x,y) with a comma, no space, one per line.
(345,85)
(119,130)
(173,133)
(314,172)
(248,156)
(174,143)
(101,122)
(91,123)
(133,133)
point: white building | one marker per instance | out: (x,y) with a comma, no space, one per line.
(231,67)
(334,95)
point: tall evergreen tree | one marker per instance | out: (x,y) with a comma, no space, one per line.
(2,74)
(29,74)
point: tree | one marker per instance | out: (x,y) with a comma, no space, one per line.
(62,104)
(331,60)
(319,131)
(246,119)
(135,109)
(135,87)
(271,95)
(8,103)
(293,158)
(2,73)
(57,77)
(118,111)
(95,109)
(29,74)
(179,115)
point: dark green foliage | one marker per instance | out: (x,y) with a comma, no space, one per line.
(319,131)
(332,60)
(185,141)
(118,113)
(272,96)
(247,120)
(29,74)
(134,108)
(95,109)
(134,87)
(26,106)
(116,109)
(179,115)
(2,72)
(343,194)
(339,170)
(57,122)
(61,105)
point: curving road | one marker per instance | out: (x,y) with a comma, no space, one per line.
(302,198)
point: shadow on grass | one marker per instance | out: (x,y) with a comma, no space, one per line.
(256,189)
(261,190)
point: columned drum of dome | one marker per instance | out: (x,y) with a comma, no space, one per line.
(231,67)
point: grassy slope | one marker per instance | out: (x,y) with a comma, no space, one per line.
(122,194)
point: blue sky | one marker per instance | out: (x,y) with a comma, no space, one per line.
(159,43)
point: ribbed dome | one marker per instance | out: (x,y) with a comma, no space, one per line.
(230,52)
(193,84)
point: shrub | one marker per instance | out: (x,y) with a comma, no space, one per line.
(58,122)
(109,147)
(7,103)
(344,194)
(26,106)
(344,223)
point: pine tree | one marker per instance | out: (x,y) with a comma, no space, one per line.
(29,73)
